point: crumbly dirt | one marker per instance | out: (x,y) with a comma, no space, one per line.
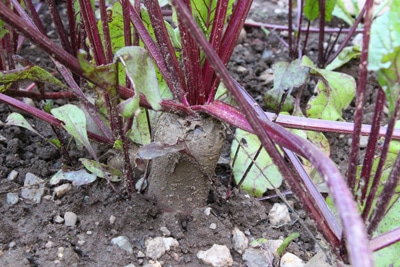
(30,235)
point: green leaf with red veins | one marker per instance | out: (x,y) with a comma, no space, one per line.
(263,175)
(333,93)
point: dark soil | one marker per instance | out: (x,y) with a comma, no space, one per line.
(30,236)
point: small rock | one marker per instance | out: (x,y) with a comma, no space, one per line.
(155,248)
(319,260)
(12,175)
(152,264)
(216,256)
(34,188)
(207,211)
(58,219)
(170,242)
(140,254)
(2,138)
(49,244)
(12,244)
(165,231)
(242,70)
(279,215)
(89,232)
(123,243)
(267,76)
(257,257)
(240,241)
(273,245)
(112,219)
(213,226)
(130,265)
(242,36)
(61,190)
(12,198)
(291,260)
(70,218)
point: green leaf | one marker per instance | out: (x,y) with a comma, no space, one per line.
(286,243)
(287,76)
(256,182)
(333,93)
(3,30)
(389,256)
(347,54)
(32,73)
(140,133)
(345,10)
(312,12)
(385,59)
(75,124)
(258,242)
(140,69)
(78,178)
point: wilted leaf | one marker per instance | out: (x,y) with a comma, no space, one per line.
(333,93)
(102,170)
(17,119)
(32,73)
(74,123)
(78,178)
(157,149)
(257,180)
(140,69)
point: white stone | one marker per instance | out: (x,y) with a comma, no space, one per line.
(155,248)
(70,218)
(273,245)
(216,256)
(279,215)
(12,198)
(240,241)
(291,260)
(61,190)
(140,254)
(165,231)
(153,264)
(49,244)
(112,219)
(170,242)
(257,257)
(207,211)
(12,175)
(130,265)
(123,243)
(58,219)
(33,188)
(213,226)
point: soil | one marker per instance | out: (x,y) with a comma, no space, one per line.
(31,236)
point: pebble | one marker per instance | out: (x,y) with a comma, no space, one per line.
(273,245)
(130,265)
(165,231)
(267,76)
(61,190)
(58,219)
(240,241)
(12,244)
(34,188)
(156,247)
(49,244)
(207,211)
(213,226)
(279,215)
(216,256)
(112,219)
(70,218)
(152,264)
(123,243)
(12,175)
(12,198)
(257,257)
(291,260)
(242,70)
(140,254)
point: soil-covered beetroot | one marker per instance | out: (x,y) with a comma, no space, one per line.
(181,181)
